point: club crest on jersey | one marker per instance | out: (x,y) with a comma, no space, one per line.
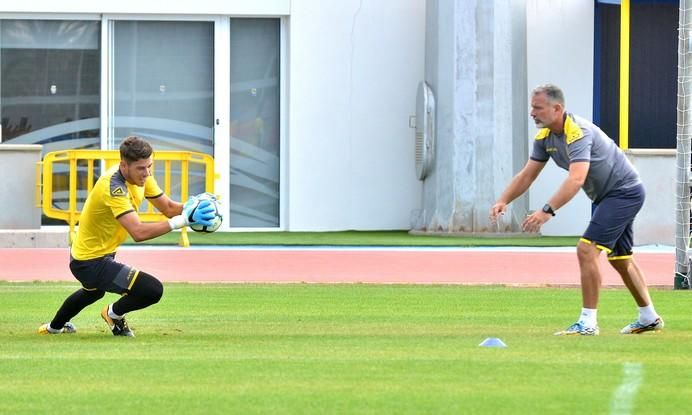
(118,191)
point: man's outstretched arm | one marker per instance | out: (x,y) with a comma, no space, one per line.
(519,184)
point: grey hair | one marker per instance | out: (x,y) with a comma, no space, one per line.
(553,92)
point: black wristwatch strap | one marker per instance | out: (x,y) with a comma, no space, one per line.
(548,209)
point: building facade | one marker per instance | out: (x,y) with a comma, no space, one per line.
(304,106)
(307,106)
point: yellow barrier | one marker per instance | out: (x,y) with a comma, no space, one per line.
(46,182)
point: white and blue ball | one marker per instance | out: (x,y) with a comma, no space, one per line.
(218,217)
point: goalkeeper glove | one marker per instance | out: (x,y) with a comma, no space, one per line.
(202,213)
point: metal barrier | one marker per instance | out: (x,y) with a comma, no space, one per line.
(77,159)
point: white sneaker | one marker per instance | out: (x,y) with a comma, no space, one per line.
(578,328)
(637,327)
(68,328)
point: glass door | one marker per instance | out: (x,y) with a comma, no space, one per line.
(211,85)
(255,136)
(162,86)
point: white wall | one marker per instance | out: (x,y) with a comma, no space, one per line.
(560,51)
(655,223)
(354,69)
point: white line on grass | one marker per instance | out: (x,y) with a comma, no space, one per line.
(623,397)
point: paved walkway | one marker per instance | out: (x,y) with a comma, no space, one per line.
(532,267)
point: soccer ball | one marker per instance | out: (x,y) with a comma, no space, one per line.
(218,219)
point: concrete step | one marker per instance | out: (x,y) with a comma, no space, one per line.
(46,237)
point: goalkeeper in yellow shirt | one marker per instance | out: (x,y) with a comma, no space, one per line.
(108,216)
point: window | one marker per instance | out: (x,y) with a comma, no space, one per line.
(652,71)
(255,138)
(159,81)
(50,82)
(163,78)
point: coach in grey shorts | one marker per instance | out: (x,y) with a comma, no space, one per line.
(598,166)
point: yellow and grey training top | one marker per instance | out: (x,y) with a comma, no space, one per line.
(583,141)
(99,231)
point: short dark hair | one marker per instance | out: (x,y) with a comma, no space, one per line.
(135,148)
(553,92)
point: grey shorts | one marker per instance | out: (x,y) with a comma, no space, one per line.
(612,221)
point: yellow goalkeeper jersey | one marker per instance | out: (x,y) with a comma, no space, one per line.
(99,231)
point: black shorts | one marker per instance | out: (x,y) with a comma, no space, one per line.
(612,220)
(104,274)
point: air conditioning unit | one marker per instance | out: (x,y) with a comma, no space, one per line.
(425,130)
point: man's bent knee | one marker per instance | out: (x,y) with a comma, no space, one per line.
(148,288)
(157,292)
(587,250)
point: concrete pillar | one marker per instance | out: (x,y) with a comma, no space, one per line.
(475,64)
(18,186)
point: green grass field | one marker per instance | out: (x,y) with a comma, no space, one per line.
(372,349)
(361,238)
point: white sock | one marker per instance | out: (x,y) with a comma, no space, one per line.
(588,317)
(111,314)
(52,330)
(647,315)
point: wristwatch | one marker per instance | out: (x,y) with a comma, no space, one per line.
(548,209)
